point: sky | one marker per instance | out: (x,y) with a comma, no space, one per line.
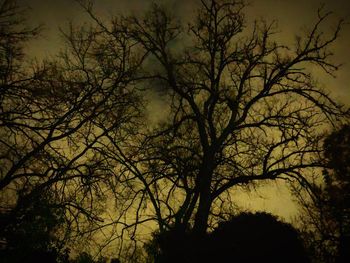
(293,16)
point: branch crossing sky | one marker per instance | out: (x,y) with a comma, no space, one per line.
(293,16)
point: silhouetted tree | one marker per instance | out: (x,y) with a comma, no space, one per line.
(247,237)
(177,245)
(56,116)
(241,108)
(337,153)
(31,231)
(258,237)
(326,216)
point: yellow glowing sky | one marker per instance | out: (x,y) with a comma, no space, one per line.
(292,16)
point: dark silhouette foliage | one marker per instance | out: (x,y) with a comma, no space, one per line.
(247,237)
(178,245)
(337,191)
(325,221)
(258,237)
(337,152)
(335,197)
(29,231)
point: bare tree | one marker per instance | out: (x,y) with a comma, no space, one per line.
(56,113)
(242,109)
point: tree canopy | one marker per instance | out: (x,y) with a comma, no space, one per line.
(240,108)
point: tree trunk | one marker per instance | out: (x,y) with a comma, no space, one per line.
(202,215)
(204,184)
